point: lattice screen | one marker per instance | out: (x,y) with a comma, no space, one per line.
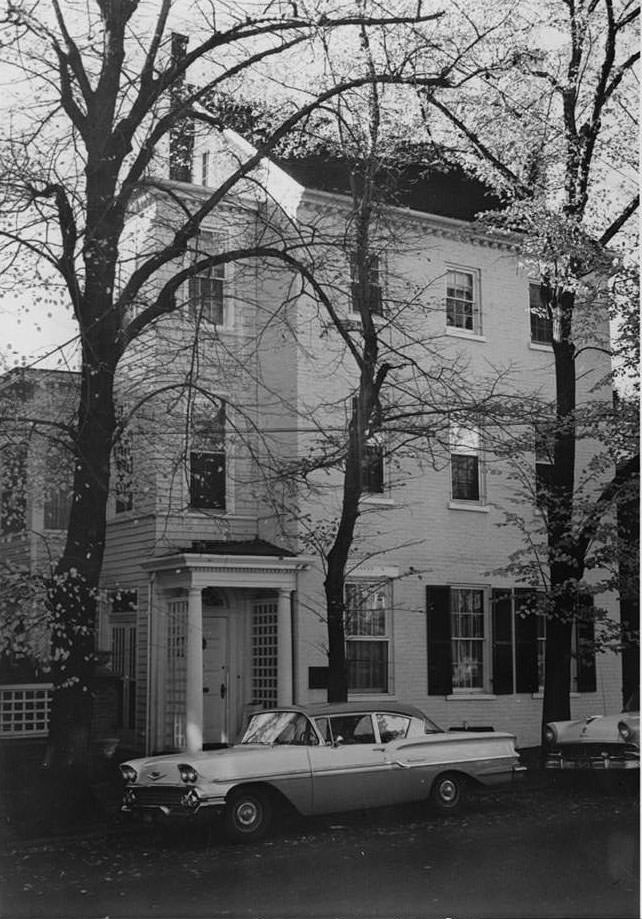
(264,653)
(24,710)
(176,675)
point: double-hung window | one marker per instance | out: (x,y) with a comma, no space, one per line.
(465,464)
(544,464)
(207,456)
(367,638)
(373,289)
(541,320)
(207,288)
(463,306)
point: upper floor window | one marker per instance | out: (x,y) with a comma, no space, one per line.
(372,468)
(207,456)
(13,488)
(544,463)
(58,489)
(373,293)
(465,464)
(207,289)
(124,474)
(541,321)
(463,308)
(367,641)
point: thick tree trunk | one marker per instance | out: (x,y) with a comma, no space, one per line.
(73,590)
(337,560)
(565,568)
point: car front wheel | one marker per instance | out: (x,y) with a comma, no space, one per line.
(447,791)
(248,814)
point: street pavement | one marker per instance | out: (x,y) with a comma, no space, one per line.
(540,850)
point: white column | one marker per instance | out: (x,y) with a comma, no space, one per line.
(284,649)
(194,672)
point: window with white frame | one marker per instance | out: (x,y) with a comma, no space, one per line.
(207,460)
(373,292)
(541,320)
(466,477)
(367,635)
(463,307)
(206,290)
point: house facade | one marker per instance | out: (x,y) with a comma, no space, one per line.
(225,486)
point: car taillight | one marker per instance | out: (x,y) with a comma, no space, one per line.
(188,774)
(625,731)
(550,736)
(128,773)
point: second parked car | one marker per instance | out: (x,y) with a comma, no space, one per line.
(320,760)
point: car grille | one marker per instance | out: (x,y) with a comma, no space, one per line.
(580,750)
(157,796)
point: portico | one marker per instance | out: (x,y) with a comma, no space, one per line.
(198,586)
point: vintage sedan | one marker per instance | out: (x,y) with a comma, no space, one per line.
(596,742)
(320,759)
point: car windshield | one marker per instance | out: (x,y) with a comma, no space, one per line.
(279,728)
(633,702)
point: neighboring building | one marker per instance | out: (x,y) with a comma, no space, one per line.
(213,599)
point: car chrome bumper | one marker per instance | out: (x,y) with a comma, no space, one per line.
(602,762)
(168,802)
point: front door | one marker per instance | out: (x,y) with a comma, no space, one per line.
(215,680)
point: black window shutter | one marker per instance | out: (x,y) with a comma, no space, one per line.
(440,670)
(585,624)
(502,607)
(526,678)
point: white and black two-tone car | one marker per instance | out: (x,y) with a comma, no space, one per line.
(320,759)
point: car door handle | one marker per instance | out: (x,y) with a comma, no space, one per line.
(379,748)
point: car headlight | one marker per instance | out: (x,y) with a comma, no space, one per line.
(128,773)
(550,734)
(626,732)
(188,774)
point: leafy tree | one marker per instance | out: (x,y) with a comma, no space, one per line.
(108,91)
(556,132)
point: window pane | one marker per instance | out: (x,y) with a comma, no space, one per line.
(353,728)
(541,323)
(392,727)
(207,480)
(372,469)
(467,636)
(465,477)
(367,666)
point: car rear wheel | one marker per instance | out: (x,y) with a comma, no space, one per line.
(447,791)
(248,814)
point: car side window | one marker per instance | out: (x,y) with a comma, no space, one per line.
(353,729)
(392,727)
